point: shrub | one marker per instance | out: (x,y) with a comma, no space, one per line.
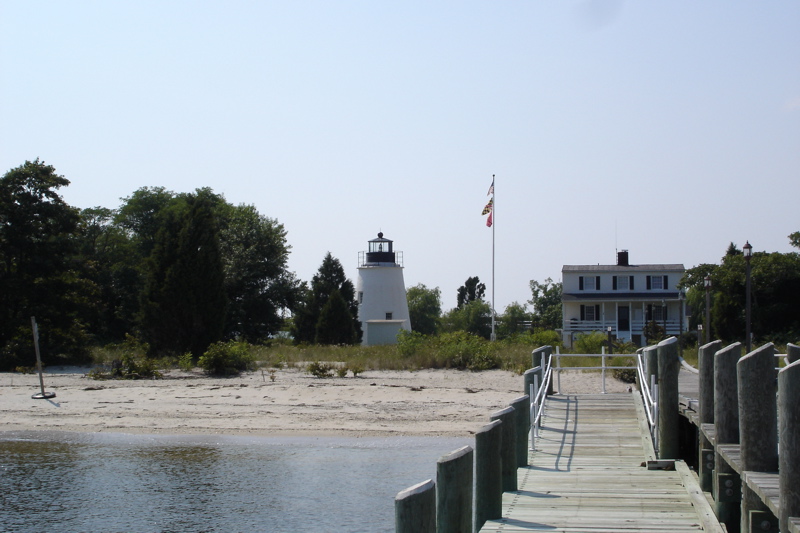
(320,370)
(356,369)
(130,361)
(410,342)
(463,350)
(227,358)
(186,361)
(590,343)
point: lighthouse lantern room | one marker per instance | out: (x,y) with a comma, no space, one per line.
(382,303)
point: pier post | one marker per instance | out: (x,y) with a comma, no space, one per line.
(488,474)
(792,353)
(668,408)
(758,422)
(539,357)
(415,509)
(508,449)
(522,416)
(705,366)
(454,492)
(789,444)
(726,423)
(651,362)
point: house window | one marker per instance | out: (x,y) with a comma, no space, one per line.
(622,283)
(590,313)
(360,297)
(657,283)
(656,313)
(388,316)
(589,283)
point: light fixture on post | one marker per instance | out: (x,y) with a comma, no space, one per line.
(707,321)
(610,343)
(747,249)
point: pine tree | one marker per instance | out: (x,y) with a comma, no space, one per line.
(335,325)
(183,305)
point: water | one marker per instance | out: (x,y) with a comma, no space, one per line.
(115,482)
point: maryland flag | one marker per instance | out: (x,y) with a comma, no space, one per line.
(488,209)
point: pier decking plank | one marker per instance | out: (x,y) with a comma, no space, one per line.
(587,475)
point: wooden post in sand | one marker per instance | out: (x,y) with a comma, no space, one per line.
(454,492)
(789,445)
(488,474)
(758,423)
(705,366)
(508,449)
(727,484)
(415,509)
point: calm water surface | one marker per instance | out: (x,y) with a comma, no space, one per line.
(115,482)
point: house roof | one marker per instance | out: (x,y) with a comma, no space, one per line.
(620,296)
(618,268)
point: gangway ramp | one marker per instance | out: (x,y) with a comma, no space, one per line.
(585,475)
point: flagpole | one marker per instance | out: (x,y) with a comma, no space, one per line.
(494,222)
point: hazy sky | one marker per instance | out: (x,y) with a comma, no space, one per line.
(668,129)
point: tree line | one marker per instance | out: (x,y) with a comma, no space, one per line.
(178,271)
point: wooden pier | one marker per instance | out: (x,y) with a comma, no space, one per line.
(588,473)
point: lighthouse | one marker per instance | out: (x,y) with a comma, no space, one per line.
(382,303)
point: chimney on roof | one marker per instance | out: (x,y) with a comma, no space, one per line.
(622,258)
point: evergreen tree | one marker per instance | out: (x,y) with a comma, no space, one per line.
(335,325)
(183,304)
(472,290)
(38,274)
(329,278)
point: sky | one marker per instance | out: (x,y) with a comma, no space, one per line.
(669,129)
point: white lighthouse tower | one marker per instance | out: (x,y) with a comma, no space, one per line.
(382,303)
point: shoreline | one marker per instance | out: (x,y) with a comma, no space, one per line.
(385,403)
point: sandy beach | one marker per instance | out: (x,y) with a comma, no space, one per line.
(376,403)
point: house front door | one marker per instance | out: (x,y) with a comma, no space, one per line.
(624,318)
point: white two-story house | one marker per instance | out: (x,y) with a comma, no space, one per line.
(622,297)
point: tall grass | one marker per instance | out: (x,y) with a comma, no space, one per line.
(414,351)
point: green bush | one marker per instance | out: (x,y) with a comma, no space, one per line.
(227,358)
(320,370)
(590,343)
(463,350)
(129,361)
(410,342)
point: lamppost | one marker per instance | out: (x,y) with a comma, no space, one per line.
(748,253)
(707,321)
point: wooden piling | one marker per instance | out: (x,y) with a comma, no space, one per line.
(668,413)
(522,416)
(454,492)
(508,450)
(415,509)
(792,353)
(789,444)
(705,366)
(727,486)
(651,362)
(758,424)
(488,474)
